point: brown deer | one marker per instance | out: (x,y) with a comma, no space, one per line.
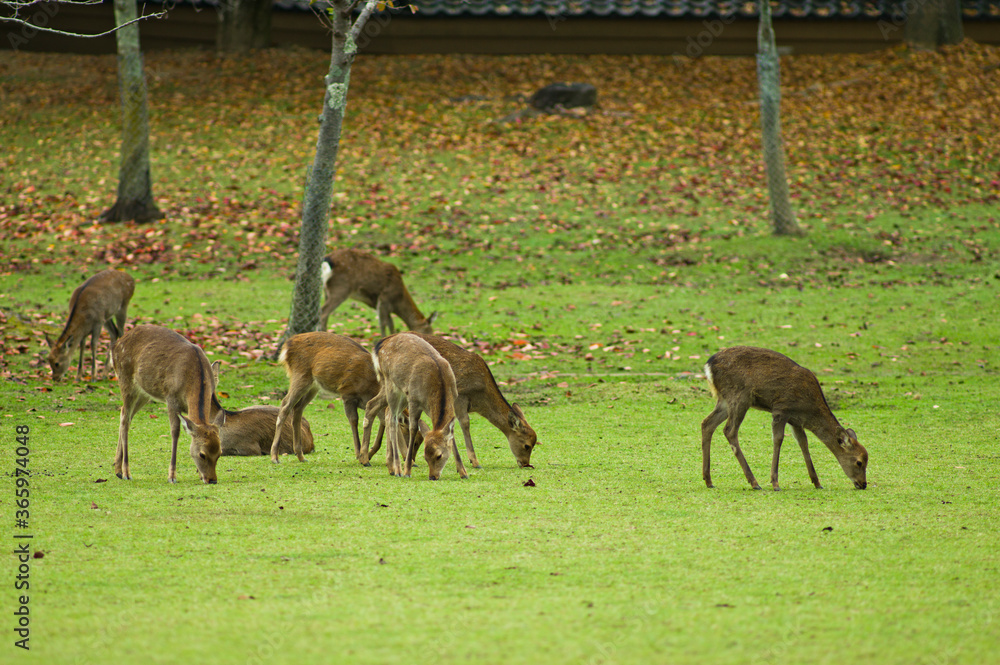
(155,363)
(744,377)
(381,402)
(100,301)
(478,393)
(327,362)
(415,379)
(351,273)
(250,431)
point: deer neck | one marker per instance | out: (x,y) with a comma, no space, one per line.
(202,403)
(407,310)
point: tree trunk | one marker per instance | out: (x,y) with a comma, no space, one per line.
(135,187)
(933,23)
(244,25)
(319,188)
(769,80)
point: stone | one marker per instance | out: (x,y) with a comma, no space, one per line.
(564,95)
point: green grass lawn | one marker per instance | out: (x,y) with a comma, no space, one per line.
(596,283)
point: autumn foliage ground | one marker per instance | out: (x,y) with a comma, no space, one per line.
(596,262)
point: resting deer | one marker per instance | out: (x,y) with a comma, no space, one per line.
(415,379)
(155,363)
(250,431)
(478,393)
(351,273)
(744,377)
(328,362)
(100,301)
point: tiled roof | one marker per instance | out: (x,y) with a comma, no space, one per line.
(871,9)
(685,8)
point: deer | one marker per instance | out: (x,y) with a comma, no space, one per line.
(324,362)
(351,273)
(155,363)
(415,379)
(250,431)
(744,377)
(100,301)
(478,393)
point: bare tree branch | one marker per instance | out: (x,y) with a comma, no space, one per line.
(19,6)
(366,12)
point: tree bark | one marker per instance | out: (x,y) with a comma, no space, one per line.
(319,188)
(244,25)
(933,23)
(135,187)
(769,80)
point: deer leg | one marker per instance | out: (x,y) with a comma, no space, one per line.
(79,362)
(113,333)
(175,432)
(376,407)
(411,439)
(384,309)
(378,438)
(800,436)
(95,339)
(458,460)
(298,397)
(409,453)
(394,452)
(297,434)
(708,427)
(351,410)
(129,408)
(778,434)
(731,431)
(282,415)
(462,415)
(335,295)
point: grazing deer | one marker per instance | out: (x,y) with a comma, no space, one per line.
(744,377)
(155,363)
(100,301)
(328,362)
(250,431)
(478,393)
(415,379)
(350,273)
(381,402)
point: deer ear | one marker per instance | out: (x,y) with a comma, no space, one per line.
(215,369)
(49,340)
(431,318)
(848,439)
(187,425)
(515,417)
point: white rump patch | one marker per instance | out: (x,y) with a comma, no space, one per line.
(325,271)
(711,382)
